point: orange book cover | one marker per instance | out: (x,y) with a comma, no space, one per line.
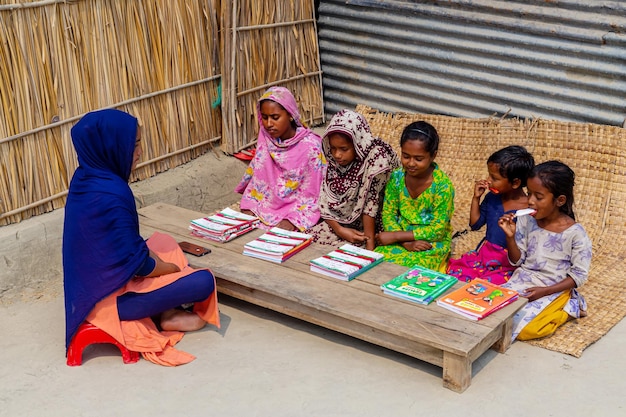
(477,299)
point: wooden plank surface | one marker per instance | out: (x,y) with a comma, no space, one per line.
(357,308)
(436,326)
(312,291)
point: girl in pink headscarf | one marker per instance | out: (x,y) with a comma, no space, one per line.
(282,183)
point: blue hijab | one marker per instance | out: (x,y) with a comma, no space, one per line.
(102,247)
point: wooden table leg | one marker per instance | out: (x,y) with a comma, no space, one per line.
(505,341)
(457,372)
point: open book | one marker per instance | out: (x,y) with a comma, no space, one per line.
(346,262)
(277,245)
(224,225)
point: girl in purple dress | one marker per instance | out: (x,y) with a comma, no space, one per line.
(552,251)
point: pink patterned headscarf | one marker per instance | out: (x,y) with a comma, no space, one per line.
(283,179)
(282,96)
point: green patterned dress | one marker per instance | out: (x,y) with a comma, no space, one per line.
(427,216)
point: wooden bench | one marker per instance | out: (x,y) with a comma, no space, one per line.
(357,308)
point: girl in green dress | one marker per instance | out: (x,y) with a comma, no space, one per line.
(418,205)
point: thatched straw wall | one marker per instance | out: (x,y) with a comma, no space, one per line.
(267,43)
(60,59)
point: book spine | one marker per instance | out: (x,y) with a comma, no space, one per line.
(289,234)
(357,255)
(236,227)
(343,261)
(231,217)
(329,270)
(281,236)
(260,245)
(224,233)
(368,267)
(297,249)
(221,228)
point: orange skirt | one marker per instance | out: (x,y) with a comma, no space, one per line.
(143,335)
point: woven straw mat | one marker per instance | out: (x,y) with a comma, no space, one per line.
(596,153)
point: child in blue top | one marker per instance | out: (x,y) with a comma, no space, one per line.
(508,171)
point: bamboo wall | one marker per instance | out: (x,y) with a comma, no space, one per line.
(158,60)
(161,61)
(267,43)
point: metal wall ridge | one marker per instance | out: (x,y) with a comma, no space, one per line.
(477,58)
(583,31)
(595,12)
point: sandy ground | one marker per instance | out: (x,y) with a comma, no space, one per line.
(262,363)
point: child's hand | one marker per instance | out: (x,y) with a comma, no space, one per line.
(417,246)
(507,224)
(534,293)
(480,186)
(385,238)
(351,235)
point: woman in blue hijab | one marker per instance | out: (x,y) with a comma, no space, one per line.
(102,248)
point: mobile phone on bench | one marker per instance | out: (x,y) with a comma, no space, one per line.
(193,249)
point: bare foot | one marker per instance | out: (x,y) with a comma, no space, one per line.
(182,321)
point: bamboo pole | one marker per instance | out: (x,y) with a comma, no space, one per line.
(112,106)
(274,25)
(278,82)
(233,63)
(141,165)
(32,4)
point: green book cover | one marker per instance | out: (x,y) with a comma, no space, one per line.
(419,284)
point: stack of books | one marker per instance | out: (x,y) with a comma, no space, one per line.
(477,299)
(223,226)
(277,245)
(346,262)
(420,285)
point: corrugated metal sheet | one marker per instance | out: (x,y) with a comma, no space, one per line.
(563,60)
